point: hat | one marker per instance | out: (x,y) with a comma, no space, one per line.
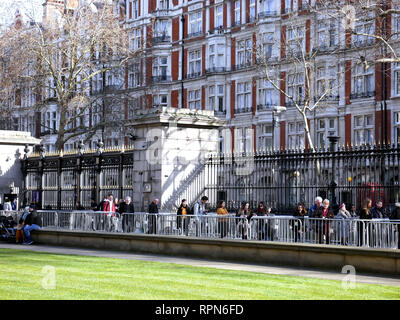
(341,206)
(397,204)
(32,206)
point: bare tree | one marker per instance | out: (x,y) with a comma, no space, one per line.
(372,44)
(75,59)
(300,73)
(366,38)
(368,23)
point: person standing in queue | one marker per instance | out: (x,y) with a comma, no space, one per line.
(223,220)
(182,219)
(153,212)
(127,219)
(199,211)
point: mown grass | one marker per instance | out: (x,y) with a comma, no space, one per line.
(83,277)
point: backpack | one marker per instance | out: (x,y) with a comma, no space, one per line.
(192,208)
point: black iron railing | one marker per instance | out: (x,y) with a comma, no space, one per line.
(220,113)
(267,14)
(59,180)
(327,97)
(193,75)
(162,78)
(362,95)
(216,69)
(241,66)
(280,178)
(283,178)
(243,110)
(265,107)
(195,34)
(161,39)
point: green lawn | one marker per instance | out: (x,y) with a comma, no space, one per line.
(82,277)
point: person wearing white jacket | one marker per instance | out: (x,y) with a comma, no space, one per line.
(343,213)
(7,206)
(199,210)
(345,227)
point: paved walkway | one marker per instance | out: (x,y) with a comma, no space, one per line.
(287,271)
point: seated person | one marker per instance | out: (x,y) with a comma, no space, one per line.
(10,224)
(31,222)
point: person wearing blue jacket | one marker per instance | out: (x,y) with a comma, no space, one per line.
(30,220)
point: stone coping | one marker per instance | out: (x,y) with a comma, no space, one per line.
(335,249)
(17,137)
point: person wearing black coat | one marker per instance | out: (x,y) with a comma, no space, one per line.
(396,217)
(378,212)
(78,206)
(153,212)
(322,228)
(127,206)
(127,219)
(182,219)
(101,204)
(243,217)
(261,212)
(299,214)
(93,204)
(365,214)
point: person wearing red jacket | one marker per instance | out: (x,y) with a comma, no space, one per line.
(111,218)
(109,205)
(323,227)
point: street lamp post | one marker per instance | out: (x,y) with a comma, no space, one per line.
(384,134)
(39,198)
(276,110)
(183,61)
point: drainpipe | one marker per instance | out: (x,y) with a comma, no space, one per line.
(183,60)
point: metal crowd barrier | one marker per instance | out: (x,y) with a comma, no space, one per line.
(382,233)
(81,220)
(210,226)
(375,233)
(333,231)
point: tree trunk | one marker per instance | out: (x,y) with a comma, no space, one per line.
(61,129)
(310,142)
(307,131)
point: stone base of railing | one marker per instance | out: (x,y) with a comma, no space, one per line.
(376,261)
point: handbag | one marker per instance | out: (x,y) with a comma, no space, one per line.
(19,236)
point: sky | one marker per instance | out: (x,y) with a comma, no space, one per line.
(28,8)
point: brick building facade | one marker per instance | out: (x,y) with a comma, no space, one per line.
(203,54)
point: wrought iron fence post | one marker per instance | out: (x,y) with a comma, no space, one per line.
(81,147)
(41,169)
(332,186)
(24,165)
(59,181)
(120,176)
(98,169)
